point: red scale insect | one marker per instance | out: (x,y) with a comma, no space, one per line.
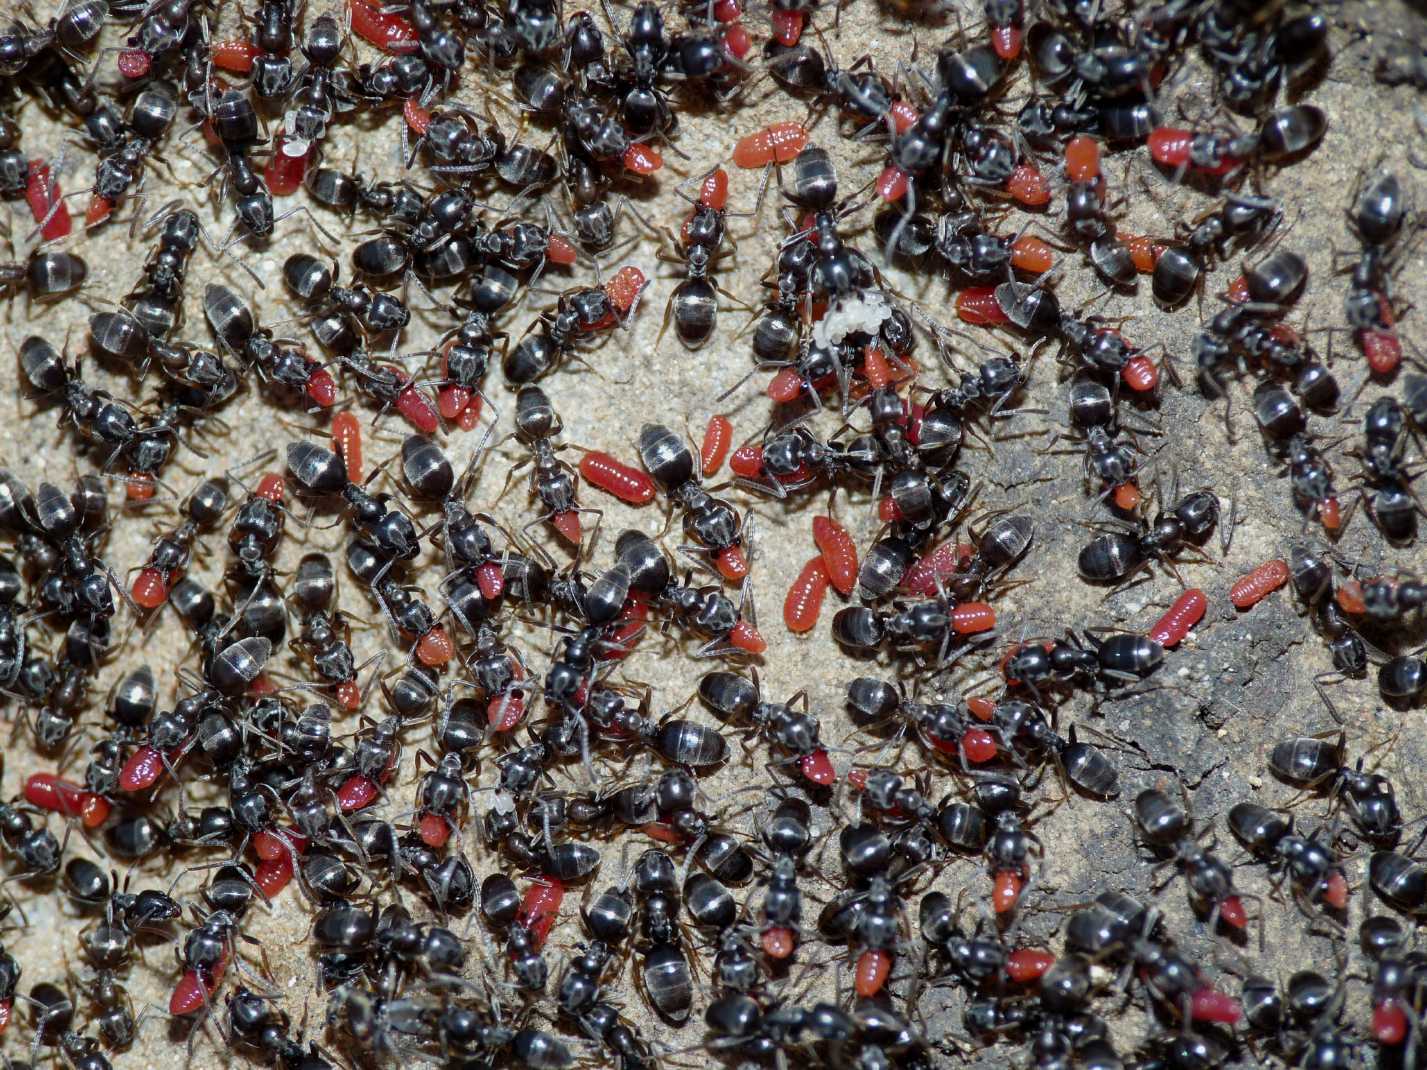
(285,170)
(839,553)
(737,42)
(873,967)
(624,631)
(46,203)
(623,291)
(786,386)
(937,565)
(1028,964)
(1127,497)
(778,942)
(628,484)
(1231,910)
(1251,589)
(276,850)
(978,746)
(1389,1021)
(1082,159)
(983,709)
(490,579)
(745,636)
(876,368)
(881,370)
(274,843)
(817,768)
(731,563)
(1380,345)
(641,159)
(150,588)
(321,387)
(1349,597)
(560,250)
(892,184)
(1187,611)
(388,32)
(347,442)
(718,436)
(973,618)
(805,597)
(1032,255)
(1006,890)
(417,118)
(235,57)
(359,791)
(978,305)
(356,793)
(1208,1004)
(904,115)
(140,486)
(788,26)
(51,792)
(1028,187)
(1144,251)
(1007,41)
(657,830)
(540,908)
(1140,374)
(142,770)
(272,487)
(133,62)
(568,525)
(194,991)
(461,404)
(777,143)
(713,194)
(1336,890)
(415,406)
(505,711)
(435,649)
(98,211)
(273,875)
(434,830)
(1007,19)
(1171,147)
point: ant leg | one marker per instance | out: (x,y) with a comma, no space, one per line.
(411,277)
(1319,683)
(668,316)
(1226,531)
(302,209)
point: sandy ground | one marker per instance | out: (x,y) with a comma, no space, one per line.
(1237,684)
